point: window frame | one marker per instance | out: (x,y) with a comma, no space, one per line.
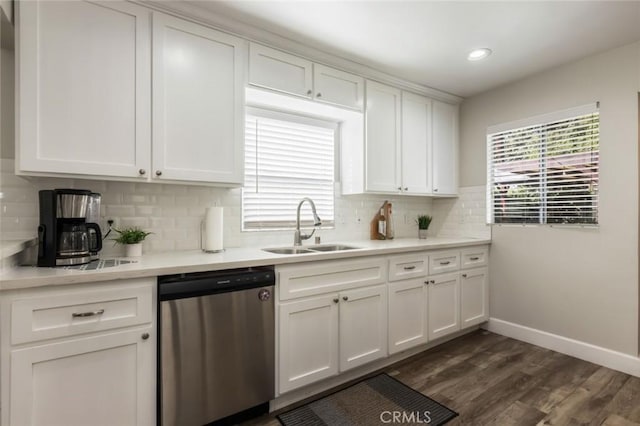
(305,119)
(539,120)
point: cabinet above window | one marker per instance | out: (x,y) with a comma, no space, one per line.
(282,72)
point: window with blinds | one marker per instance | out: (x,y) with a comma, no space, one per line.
(545,170)
(287,158)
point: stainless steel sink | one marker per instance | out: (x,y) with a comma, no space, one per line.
(288,250)
(309,249)
(332,247)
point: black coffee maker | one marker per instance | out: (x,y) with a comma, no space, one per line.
(63,234)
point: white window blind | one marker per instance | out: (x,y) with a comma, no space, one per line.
(287,158)
(546,172)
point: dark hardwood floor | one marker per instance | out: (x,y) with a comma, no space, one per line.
(493,380)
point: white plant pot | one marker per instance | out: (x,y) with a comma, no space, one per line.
(422,234)
(133,250)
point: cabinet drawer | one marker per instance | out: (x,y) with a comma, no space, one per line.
(68,313)
(309,279)
(404,267)
(474,257)
(444,261)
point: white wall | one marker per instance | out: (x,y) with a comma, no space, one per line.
(577,283)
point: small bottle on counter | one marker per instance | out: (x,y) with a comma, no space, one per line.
(382,225)
(390,223)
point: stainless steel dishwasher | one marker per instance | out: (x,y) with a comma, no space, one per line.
(216,346)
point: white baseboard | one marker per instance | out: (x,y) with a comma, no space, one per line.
(598,355)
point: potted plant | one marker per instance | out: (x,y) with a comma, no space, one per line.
(423,221)
(132,239)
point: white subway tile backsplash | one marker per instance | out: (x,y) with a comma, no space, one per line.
(462,216)
(113,211)
(175,212)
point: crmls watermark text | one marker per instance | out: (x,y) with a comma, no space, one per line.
(401,417)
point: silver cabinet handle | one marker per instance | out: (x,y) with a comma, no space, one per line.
(409,268)
(318,95)
(142,172)
(464,275)
(336,300)
(345,298)
(445,263)
(309,92)
(87,314)
(426,282)
(406,188)
(435,189)
(432,281)
(145,336)
(158,173)
(474,258)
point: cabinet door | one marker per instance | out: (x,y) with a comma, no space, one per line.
(280,71)
(445,148)
(84,73)
(308,341)
(382,135)
(363,326)
(198,102)
(416,144)
(444,305)
(337,87)
(474,297)
(103,380)
(407,314)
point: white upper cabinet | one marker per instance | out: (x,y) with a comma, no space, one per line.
(411,146)
(83,72)
(337,87)
(283,72)
(445,148)
(416,144)
(198,102)
(382,138)
(85,95)
(273,69)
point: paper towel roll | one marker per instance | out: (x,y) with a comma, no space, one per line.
(213,230)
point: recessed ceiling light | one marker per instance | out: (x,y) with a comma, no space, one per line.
(478,54)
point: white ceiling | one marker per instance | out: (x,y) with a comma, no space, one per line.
(427,42)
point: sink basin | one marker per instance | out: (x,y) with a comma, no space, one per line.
(288,250)
(332,247)
(309,249)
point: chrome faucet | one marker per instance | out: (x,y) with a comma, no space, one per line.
(298,236)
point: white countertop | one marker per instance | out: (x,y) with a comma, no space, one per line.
(9,247)
(197,261)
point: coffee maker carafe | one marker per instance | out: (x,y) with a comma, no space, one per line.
(64,233)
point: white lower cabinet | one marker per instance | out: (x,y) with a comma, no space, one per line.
(408,318)
(363,326)
(308,341)
(103,380)
(321,336)
(444,305)
(474,297)
(81,354)
(335,316)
